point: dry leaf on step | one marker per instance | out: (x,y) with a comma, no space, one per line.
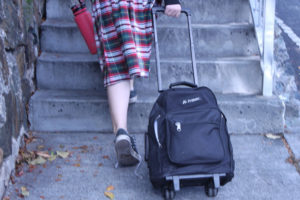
(109,195)
(24,191)
(272,136)
(43,154)
(52,157)
(63,154)
(110,188)
(38,161)
(41,147)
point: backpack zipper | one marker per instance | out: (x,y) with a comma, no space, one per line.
(178,126)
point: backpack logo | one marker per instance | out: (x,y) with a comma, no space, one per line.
(187,101)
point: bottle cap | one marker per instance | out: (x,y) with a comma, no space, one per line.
(76,8)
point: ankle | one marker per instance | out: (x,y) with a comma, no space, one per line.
(120,129)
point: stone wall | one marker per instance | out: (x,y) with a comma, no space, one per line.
(285,84)
(284,79)
(19,49)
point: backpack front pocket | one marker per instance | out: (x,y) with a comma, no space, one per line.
(190,140)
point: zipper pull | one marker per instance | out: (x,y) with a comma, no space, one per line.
(178,125)
(156,131)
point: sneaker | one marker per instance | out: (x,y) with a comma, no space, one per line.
(126,150)
(133,96)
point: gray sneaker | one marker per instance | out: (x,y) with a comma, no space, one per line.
(126,150)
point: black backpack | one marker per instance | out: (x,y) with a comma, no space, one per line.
(187,135)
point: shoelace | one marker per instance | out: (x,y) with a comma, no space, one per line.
(133,143)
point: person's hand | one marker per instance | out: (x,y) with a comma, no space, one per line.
(173,10)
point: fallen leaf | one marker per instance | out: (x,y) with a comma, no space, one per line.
(59,175)
(29,139)
(76,165)
(24,191)
(272,136)
(95,138)
(19,173)
(63,154)
(61,146)
(58,179)
(100,165)
(41,147)
(43,154)
(61,197)
(81,147)
(27,156)
(12,179)
(44,165)
(42,197)
(110,188)
(109,195)
(52,157)
(105,157)
(38,161)
(31,168)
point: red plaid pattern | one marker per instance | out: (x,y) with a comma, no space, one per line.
(124,38)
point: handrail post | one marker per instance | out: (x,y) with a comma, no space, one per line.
(268,47)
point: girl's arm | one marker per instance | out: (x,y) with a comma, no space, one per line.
(173,8)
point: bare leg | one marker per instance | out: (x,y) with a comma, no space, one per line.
(118,99)
(131,84)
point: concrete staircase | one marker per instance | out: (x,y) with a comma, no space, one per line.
(71,98)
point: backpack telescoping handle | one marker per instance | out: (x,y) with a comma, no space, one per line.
(188,14)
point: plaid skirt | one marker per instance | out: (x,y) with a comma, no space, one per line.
(123,32)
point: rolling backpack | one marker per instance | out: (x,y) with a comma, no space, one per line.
(187,142)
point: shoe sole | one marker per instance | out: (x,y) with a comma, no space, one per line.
(126,156)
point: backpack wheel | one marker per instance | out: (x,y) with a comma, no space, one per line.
(172,194)
(169,194)
(211,191)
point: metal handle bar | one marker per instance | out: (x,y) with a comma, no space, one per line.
(188,14)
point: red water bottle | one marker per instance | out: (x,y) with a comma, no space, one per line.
(84,22)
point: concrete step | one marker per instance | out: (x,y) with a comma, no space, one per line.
(261,171)
(87,111)
(211,40)
(203,11)
(81,71)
